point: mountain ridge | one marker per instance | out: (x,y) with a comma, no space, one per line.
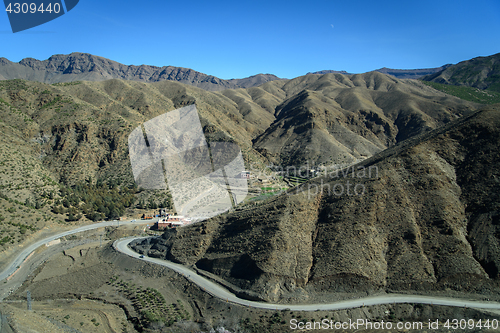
(87,67)
(67,134)
(426,222)
(397,73)
(344,118)
(78,66)
(479,72)
(411,73)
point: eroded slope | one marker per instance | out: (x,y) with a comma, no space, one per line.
(422,216)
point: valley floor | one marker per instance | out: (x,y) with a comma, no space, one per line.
(89,288)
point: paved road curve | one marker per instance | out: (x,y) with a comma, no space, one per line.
(218,291)
(26,252)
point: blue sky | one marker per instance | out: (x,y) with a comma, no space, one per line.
(286,38)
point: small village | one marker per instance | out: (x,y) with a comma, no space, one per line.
(166,220)
(259,187)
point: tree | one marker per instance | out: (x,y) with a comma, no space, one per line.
(56,210)
(66,203)
(152,204)
(22,229)
(113,214)
(141,204)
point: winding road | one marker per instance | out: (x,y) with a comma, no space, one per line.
(216,290)
(16,263)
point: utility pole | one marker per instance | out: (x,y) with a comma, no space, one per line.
(28,296)
(100,240)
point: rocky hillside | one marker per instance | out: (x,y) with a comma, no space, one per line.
(64,155)
(480,72)
(411,73)
(64,152)
(397,73)
(86,67)
(422,216)
(335,118)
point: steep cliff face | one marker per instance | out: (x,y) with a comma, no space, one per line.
(87,67)
(420,216)
(264,250)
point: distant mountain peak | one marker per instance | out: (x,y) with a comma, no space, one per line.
(411,73)
(328,71)
(398,73)
(78,66)
(479,72)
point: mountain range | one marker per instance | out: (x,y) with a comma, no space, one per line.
(333,118)
(398,73)
(86,67)
(421,216)
(59,137)
(426,221)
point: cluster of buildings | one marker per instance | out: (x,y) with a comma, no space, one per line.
(171,221)
(167,220)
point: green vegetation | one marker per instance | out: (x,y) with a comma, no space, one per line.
(5,240)
(467,93)
(267,323)
(269,188)
(63,84)
(482,72)
(52,102)
(13,84)
(96,201)
(296,180)
(165,202)
(4,102)
(151,304)
(22,227)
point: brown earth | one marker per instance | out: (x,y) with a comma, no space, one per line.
(63,134)
(424,220)
(105,305)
